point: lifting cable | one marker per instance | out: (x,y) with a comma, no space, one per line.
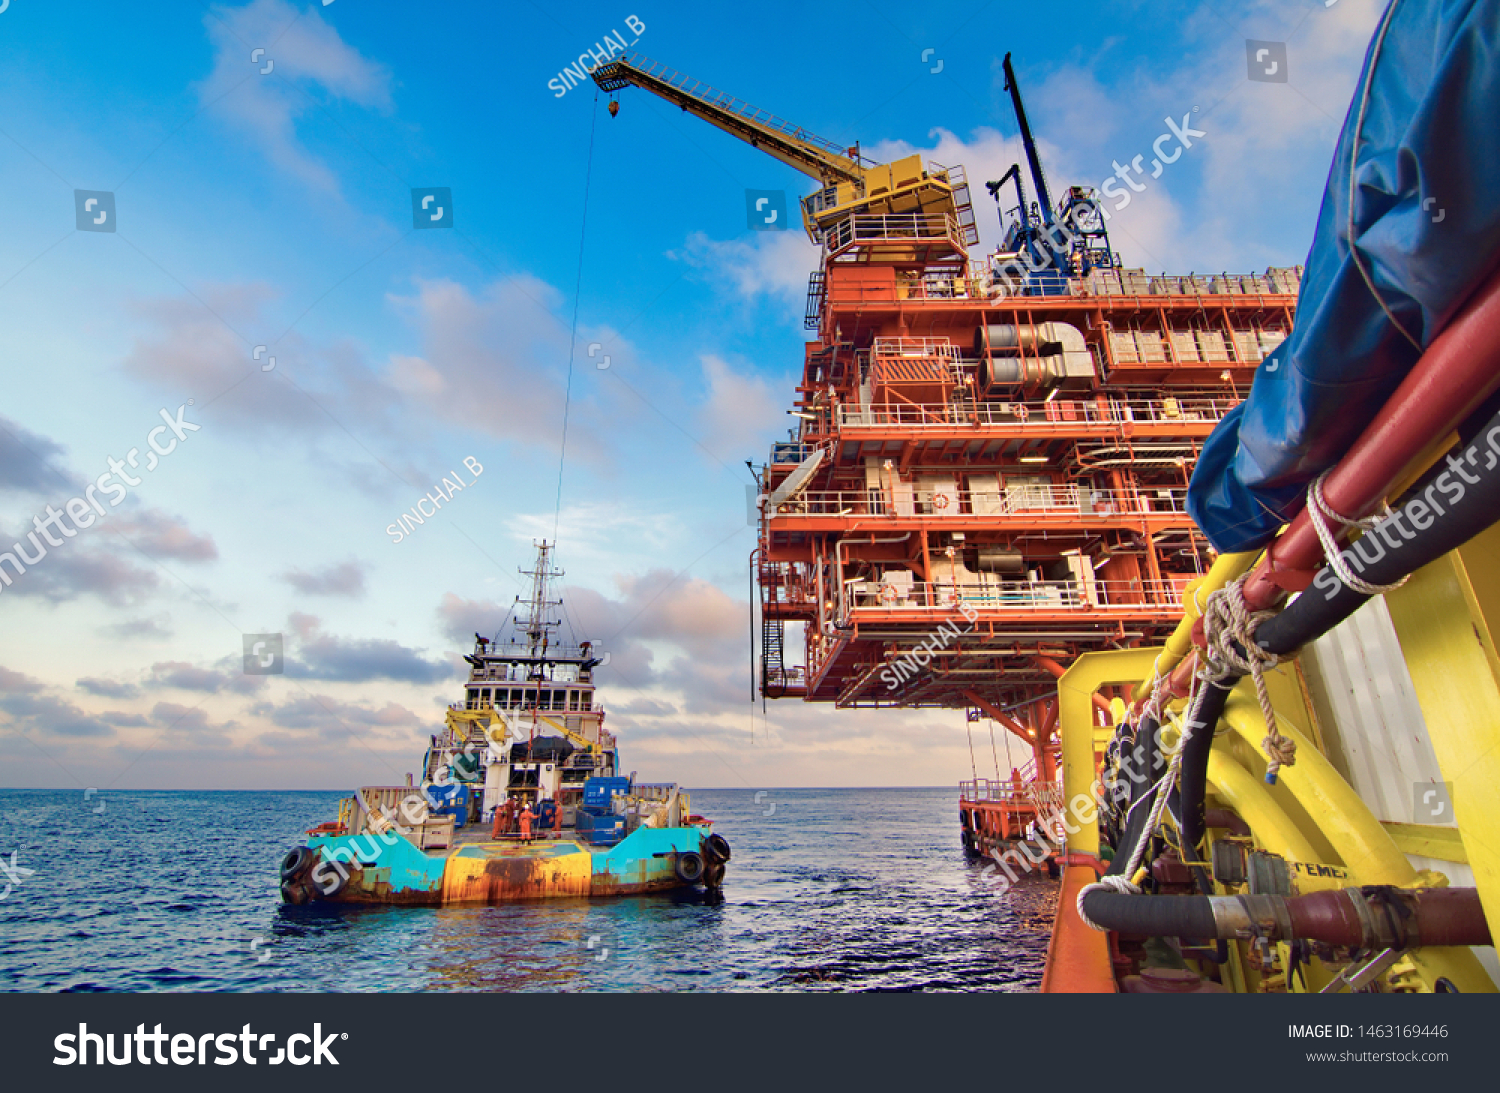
(573,330)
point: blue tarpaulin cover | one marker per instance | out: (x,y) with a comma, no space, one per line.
(1410,224)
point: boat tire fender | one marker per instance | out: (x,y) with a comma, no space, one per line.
(689,866)
(293,893)
(713,876)
(717,846)
(297,860)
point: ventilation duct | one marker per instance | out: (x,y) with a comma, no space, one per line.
(1033,356)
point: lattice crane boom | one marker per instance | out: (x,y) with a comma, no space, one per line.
(851,184)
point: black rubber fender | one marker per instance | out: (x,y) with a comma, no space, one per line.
(689,866)
(293,893)
(298,860)
(713,876)
(717,846)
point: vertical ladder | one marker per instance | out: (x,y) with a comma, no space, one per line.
(772,637)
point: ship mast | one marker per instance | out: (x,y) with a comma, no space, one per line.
(535,623)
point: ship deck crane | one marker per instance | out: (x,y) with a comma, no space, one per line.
(850,183)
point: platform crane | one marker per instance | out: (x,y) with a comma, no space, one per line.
(1068,241)
(849,183)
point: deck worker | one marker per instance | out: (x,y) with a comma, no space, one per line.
(505,818)
(526,817)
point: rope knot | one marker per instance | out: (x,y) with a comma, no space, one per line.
(1231,650)
(1282,751)
(1110,883)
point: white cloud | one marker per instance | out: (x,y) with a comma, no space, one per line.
(1244,196)
(774,264)
(740,412)
(496,362)
(604,536)
(309,59)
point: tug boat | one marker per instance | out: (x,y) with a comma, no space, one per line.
(520,796)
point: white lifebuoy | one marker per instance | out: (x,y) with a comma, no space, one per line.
(888,593)
(941,501)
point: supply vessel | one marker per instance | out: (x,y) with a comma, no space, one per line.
(984,506)
(520,795)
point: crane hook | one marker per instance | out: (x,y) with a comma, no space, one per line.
(614,107)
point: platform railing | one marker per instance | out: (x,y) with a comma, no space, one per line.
(1038,413)
(1006,791)
(864,228)
(1019,596)
(1036,499)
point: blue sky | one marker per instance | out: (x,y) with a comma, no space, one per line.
(275,209)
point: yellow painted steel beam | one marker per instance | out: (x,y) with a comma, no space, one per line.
(1428,841)
(1364,846)
(1075,721)
(1274,831)
(812,155)
(1226,568)
(1250,797)
(1356,836)
(1446,617)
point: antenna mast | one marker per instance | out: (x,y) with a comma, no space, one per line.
(536,623)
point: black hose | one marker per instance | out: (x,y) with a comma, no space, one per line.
(1145,746)
(1157,916)
(1204,717)
(1457,496)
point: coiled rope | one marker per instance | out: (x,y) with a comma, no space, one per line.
(1321,513)
(1231,651)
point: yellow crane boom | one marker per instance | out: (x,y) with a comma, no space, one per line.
(850,184)
(811,154)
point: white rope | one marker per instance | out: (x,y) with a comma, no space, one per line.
(1231,650)
(1321,513)
(1151,708)
(1114,883)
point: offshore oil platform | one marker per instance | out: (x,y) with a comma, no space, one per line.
(992,451)
(984,506)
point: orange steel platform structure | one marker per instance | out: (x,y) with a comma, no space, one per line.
(973,504)
(988,473)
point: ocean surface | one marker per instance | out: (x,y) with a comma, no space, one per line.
(828,890)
